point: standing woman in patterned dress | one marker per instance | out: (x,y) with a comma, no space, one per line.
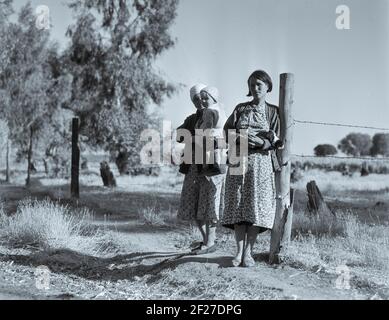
(201,196)
(250,199)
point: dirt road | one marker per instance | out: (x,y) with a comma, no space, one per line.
(150,264)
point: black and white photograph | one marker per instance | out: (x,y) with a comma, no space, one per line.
(196,150)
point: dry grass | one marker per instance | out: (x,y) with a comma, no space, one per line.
(47,225)
(318,225)
(151,217)
(346,241)
(371,243)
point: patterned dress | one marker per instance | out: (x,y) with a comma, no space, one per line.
(202,197)
(251,197)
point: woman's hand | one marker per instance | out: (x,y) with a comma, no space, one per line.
(267,145)
(254,141)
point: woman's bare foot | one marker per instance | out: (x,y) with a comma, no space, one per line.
(248,260)
(237,261)
(196,245)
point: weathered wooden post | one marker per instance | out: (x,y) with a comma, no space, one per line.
(316,204)
(107,175)
(365,169)
(7,170)
(75,172)
(281,232)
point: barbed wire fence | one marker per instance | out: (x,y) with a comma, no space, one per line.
(295,121)
(327,198)
(301,156)
(340,125)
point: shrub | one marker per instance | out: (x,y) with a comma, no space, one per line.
(323,150)
(356,144)
(150,216)
(48,225)
(380,144)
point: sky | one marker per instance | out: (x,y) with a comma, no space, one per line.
(341,76)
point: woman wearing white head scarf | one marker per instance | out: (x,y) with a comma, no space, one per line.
(201,193)
(194,190)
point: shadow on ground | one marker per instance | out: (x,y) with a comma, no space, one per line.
(123,267)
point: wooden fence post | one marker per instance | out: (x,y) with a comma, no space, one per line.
(75,172)
(316,204)
(7,170)
(281,232)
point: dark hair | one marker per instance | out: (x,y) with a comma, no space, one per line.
(263,76)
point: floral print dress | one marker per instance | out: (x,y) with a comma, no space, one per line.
(202,196)
(250,197)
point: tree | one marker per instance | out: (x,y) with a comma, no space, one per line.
(380,144)
(31,90)
(356,144)
(113,47)
(5,11)
(323,150)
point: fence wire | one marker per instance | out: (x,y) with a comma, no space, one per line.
(342,157)
(339,125)
(295,121)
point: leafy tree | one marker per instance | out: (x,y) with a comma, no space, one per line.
(380,144)
(323,150)
(5,11)
(31,89)
(112,50)
(356,144)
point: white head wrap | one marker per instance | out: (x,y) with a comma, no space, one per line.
(196,90)
(213,92)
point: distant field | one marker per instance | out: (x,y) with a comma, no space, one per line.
(379,166)
(325,171)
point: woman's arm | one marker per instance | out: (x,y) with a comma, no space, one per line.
(230,124)
(274,125)
(188,124)
(275,121)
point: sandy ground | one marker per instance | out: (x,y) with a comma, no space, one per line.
(151,262)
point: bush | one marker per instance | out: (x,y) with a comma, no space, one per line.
(380,145)
(323,150)
(356,144)
(150,216)
(47,225)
